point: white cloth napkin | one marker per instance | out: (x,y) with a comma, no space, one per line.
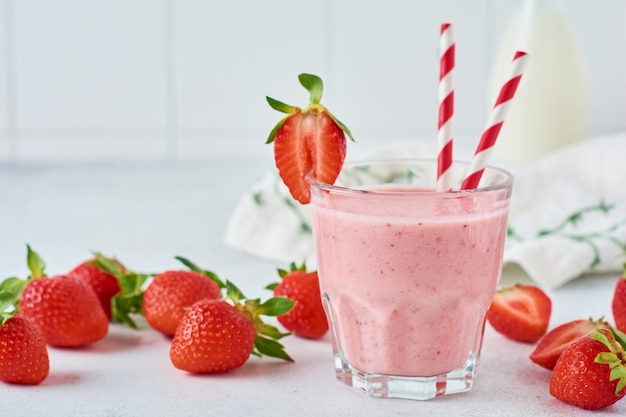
(568,212)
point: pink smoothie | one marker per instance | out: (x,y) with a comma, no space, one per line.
(408,276)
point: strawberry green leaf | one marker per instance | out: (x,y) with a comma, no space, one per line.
(265,342)
(271,286)
(621,375)
(275,306)
(13,285)
(601,336)
(607,358)
(233,293)
(253,305)
(272,134)
(189,264)
(341,125)
(271,348)
(192,266)
(270,331)
(617,372)
(107,264)
(614,358)
(122,306)
(7,301)
(130,299)
(10,293)
(314,86)
(620,337)
(282,273)
(280,106)
(36,264)
(6,298)
(6,316)
(132,283)
(295,267)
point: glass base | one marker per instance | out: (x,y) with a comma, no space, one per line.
(407,387)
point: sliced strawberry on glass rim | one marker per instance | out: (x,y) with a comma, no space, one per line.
(309,140)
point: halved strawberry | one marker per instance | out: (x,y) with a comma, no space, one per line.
(553,343)
(520,312)
(309,140)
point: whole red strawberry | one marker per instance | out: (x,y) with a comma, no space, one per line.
(520,312)
(213,337)
(308,141)
(618,305)
(218,336)
(66,309)
(169,295)
(104,284)
(23,352)
(307,317)
(591,372)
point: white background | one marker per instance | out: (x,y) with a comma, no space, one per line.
(187,79)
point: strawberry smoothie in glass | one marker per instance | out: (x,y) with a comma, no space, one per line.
(407,274)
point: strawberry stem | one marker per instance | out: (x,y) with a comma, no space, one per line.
(267,336)
(280,106)
(10,292)
(209,274)
(314,86)
(282,273)
(292,267)
(130,298)
(615,358)
(36,264)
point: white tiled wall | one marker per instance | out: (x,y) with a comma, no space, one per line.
(180,79)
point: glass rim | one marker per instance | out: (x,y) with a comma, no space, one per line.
(503,185)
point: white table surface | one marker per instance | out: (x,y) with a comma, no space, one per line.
(147,213)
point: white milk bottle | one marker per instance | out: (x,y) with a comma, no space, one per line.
(550,107)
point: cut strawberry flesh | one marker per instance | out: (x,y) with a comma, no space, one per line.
(521,313)
(308,142)
(553,343)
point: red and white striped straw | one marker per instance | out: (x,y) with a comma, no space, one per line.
(495,121)
(446,107)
